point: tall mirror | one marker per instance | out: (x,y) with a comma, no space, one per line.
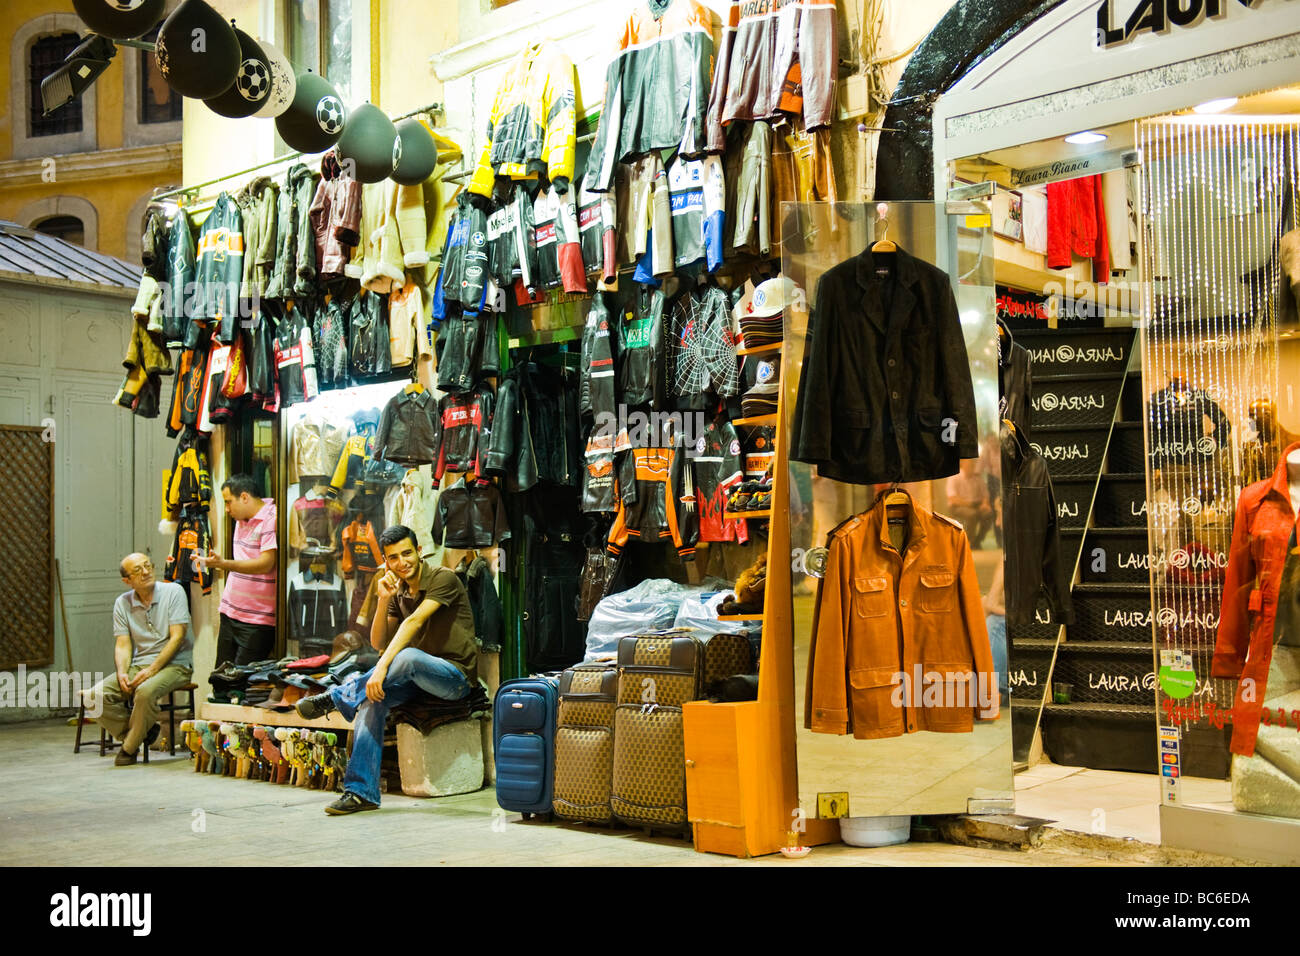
(891,377)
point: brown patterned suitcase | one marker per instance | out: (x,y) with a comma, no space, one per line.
(584,743)
(725,655)
(657,674)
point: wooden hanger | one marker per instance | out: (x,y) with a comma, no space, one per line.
(883,244)
(897,496)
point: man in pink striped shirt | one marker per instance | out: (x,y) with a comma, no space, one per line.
(248,599)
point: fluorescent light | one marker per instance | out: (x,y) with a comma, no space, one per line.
(1086,138)
(1215,106)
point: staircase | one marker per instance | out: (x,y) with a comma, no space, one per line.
(1087,424)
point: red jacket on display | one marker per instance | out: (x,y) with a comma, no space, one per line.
(1076,225)
(1261,535)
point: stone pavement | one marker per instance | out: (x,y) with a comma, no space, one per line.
(80,810)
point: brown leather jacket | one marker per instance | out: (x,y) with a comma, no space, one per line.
(899,642)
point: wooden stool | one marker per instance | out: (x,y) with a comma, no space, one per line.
(170,707)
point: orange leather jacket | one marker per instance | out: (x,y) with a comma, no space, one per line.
(1243,648)
(899,642)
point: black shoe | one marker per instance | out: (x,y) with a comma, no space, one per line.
(349,803)
(318,705)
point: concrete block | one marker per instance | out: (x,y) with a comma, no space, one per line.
(446,761)
(489,755)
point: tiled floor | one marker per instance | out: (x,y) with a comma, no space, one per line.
(66,809)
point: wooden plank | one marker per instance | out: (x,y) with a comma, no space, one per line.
(237,714)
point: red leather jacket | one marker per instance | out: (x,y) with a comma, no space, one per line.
(1244,646)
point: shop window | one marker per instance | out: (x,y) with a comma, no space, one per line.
(320,39)
(68,228)
(159,103)
(44,57)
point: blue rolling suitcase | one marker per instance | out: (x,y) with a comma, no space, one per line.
(523,742)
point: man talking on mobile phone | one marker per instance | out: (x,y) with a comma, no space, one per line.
(424,627)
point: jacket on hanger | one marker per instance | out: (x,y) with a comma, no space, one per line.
(462,281)
(179,303)
(656,87)
(1034,562)
(294,273)
(259,205)
(1015,384)
(899,603)
(315,524)
(596,396)
(774,59)
(885,393)
(409,428)
(598,231)
(532,127)
(193,539)
(535,432)
(335,216)
(318,608)
(464,428)
(660,505)
(1176,417)
(559,247)
(512,244)
(469,516)
(221,266)
(468,350)
(1255,604)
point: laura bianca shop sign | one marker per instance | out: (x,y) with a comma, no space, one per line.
(1159,17)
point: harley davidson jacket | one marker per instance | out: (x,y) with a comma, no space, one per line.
(899,642)
(1254,603)
(885,392)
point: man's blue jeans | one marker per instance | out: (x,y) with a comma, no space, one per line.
(411,672)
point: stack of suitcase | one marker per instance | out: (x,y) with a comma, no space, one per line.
(618,749)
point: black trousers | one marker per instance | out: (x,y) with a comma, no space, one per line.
(244,643)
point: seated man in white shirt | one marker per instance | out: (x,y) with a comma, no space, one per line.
(152,656)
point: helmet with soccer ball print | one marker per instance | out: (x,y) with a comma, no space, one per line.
(120,19)
(252,83)
(315,119)
(197,51)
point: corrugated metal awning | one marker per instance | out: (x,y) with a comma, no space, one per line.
(24,251)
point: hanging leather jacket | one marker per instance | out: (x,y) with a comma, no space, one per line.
(535,437)
(1034,562)
(368,329)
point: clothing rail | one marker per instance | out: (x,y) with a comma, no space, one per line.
(431,108)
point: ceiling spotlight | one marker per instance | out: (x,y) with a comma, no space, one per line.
(1086,138)
(83,67)
(1215,106)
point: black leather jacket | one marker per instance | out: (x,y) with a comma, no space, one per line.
(1015,385)
(1033,550)
(885,391)
(535,435)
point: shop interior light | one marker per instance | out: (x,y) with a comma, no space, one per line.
(1215,106)
(83,67)
(1086,138)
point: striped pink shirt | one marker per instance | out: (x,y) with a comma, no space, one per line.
(251,597)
